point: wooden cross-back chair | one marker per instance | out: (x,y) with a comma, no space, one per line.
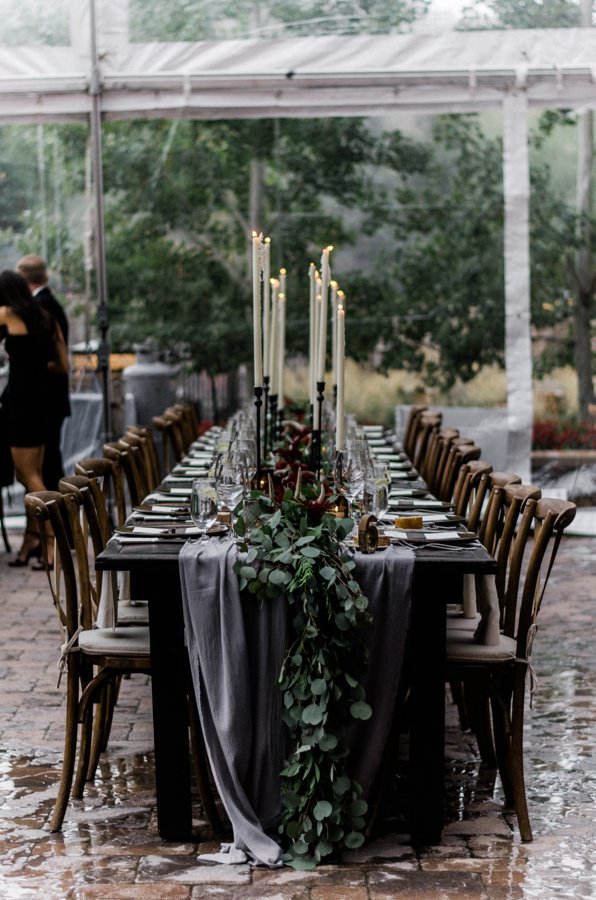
(172,442)
(499,671)
(109,474)
(129,459)
(91,657)
(138,436)
(471,478)
(411,429)
(432,465)
(458,455)
(429,423)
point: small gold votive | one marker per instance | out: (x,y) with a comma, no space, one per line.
(341,508)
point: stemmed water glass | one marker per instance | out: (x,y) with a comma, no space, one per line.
(377,488)
(355,469)
(232,478)
(203,502)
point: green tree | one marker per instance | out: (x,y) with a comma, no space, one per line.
(180,197)
(440,299)
(562,14)
(193,20)
(520,14)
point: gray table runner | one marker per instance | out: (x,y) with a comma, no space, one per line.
(236,648)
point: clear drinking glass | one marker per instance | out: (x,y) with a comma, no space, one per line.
(377,487)
(203,502)
(232,478)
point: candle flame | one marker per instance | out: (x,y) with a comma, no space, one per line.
(329,248)
(267,240)
(282,272)
(334,285)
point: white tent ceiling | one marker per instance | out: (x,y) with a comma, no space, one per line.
(334,75)
(323,76)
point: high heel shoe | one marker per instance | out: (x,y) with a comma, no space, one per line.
(32,553)
(40,566)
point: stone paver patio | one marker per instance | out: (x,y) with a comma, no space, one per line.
(109,847)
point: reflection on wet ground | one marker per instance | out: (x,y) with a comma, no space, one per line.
(109,847)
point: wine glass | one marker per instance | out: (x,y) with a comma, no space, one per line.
(203,502)
(232,478)
(356,466)
(377,487)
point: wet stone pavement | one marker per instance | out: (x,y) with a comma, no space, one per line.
(109,847)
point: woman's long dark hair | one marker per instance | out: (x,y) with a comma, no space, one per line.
(15,293)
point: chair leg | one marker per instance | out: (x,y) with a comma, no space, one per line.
(99,730)
(86,722)
(477,705)
(457,696)
(517,759)
(113,691)
(70,748)
(501,706)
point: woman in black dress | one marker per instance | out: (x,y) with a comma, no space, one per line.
(34,345)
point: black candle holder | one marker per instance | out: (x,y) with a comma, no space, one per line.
(338,472)
(266,411)
(280,419)
(258,407)
(272,419)
(316,432)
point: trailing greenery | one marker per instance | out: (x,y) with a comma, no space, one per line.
(294,552)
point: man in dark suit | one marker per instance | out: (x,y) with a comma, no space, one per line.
(35,272)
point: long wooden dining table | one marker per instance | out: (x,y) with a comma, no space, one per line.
(437,580)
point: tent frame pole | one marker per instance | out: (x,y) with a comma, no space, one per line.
(103,353)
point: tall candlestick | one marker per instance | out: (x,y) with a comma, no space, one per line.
(313,384)
(334,332)
(273,339)
(340,413)
(266,257)
(325,279)
(281,346)
(256,310)
(312,347)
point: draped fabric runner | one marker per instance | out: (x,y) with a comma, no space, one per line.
(236,649)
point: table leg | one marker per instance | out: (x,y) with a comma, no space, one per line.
(170,710)
(427,706)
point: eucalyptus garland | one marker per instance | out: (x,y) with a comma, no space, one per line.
(295,552)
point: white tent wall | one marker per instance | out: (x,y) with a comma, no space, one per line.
(363,75)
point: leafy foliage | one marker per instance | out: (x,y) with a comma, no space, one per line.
(192,20)
(521,14)
(294,553)
(569,433)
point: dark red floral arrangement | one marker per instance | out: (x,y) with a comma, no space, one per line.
(564,434)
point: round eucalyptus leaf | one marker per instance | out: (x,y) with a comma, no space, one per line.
(312,714)
(361,710)
(353,840)
(322,810)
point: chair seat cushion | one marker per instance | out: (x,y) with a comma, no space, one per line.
(133,613)
(461,648)
(129,641)
(458,622)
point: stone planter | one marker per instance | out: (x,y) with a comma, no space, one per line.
(566,459)
(571,470)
